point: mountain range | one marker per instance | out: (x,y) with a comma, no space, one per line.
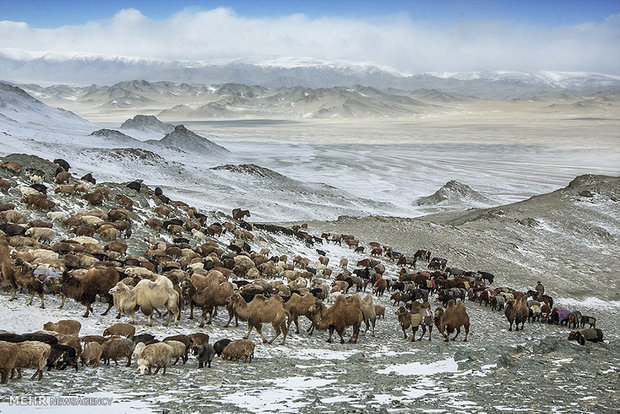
(86,70)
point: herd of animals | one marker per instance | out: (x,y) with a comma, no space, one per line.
(84,256)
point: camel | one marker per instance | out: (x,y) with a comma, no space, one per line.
(261,310)
(517,311)
(369,314)
(451,319)
(298,306)
(344,312)
(420,315)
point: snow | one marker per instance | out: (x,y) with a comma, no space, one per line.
(419,369)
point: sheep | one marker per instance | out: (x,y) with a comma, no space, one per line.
(93,338)
(158,355)
(13,216)
(220,345)
(65,327)
(199,338)
(116,246)
(56,215)
(380,311)
(184,339)
(5,185)
(39,201)
(204,353)
(115,348)
(65,189)
(179,350)
(92,220)
(85,240)
(12,167)
(62,163)
(91,354)
(44,255)
(62,177)
(242,348)
(8,354)
(120,329)
(41,234)
(31,354)
(61,356)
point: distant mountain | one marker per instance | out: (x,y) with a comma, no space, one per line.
(147,123)
(454,193)
(314,74)
(184,140)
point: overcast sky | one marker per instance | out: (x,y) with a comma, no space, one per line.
(408,36)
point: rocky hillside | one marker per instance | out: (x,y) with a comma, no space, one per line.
(569,238)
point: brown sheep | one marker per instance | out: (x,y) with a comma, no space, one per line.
(8,353)
(115,348)
(12,167)
(97,281)
(39,201)
(120,329)
(343,313)
(65,189)
(298,306)
(62,177)
(116,246)
(239,214)
(380,311)
(158,354)
(154,223)
(261,310)
(238,349)
(13,216)
(108,232)
(125,201)
(5,185)
(31,354)
(94,198)
(91,354)
(198,338)
(451,319)
(104,191)
(93,338)
(65,327)
(380,286)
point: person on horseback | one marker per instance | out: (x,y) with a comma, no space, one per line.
(541,290)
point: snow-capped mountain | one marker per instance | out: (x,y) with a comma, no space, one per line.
(281,72)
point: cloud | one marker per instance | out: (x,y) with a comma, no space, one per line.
(397,41)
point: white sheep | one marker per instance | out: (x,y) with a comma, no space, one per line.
(25,190)
(198,234)
(179,349)
(45,255)
(85,239)
(56,215)
(155,355)
(92,220)
(41,234)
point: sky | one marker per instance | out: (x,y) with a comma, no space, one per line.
(409,36)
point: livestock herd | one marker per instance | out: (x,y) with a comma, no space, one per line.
(184,262)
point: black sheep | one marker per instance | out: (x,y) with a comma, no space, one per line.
(204,353)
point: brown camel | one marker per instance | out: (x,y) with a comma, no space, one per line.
(261,310)
(343,313)
(452,319)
